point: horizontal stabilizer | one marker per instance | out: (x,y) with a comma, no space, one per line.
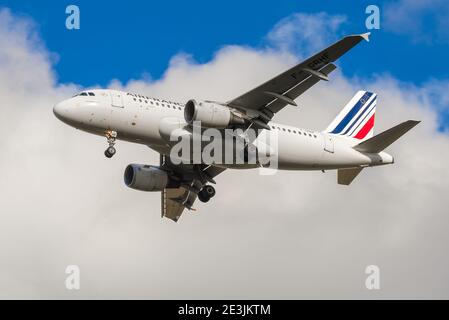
(346,176)
(381,141)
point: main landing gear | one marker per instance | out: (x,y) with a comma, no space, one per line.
(207,193)
(112,137)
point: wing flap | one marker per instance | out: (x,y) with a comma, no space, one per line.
(175,201)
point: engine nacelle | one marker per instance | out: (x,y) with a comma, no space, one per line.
(147,178)
(211,115)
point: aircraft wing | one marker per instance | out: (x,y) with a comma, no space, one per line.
(270,97)
(193,177)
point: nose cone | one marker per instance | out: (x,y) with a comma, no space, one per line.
(60,110)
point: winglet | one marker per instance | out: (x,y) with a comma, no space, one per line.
(366,36)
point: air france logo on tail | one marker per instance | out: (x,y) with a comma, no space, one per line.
(357,118)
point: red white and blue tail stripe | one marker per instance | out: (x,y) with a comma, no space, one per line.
(356,120)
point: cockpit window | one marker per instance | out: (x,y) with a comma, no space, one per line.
(85,94)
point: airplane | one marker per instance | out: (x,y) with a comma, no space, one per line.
(348,145)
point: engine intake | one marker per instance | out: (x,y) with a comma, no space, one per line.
(211,115)
(147,178)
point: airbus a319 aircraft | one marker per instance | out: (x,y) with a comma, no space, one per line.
(347,145)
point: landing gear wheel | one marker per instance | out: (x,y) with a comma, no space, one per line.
(203,197)
(112,137)
(210,191)
(110,152)
(207,193)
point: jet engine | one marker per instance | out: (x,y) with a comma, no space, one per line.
(210,114)
(147,178)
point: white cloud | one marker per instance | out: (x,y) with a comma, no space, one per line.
(293,235)
(305,33)
(436,94)
(422,21)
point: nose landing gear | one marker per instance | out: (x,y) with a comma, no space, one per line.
(112,137)
(207,193)
(110,152)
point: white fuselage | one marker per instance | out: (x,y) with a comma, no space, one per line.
(148,121)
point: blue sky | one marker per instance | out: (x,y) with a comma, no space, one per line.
(129,39)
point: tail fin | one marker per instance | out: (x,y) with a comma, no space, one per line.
(356,120)
(375,144)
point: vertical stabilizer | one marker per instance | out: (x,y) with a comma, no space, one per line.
(357,118)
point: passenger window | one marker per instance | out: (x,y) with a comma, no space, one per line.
(83,94)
